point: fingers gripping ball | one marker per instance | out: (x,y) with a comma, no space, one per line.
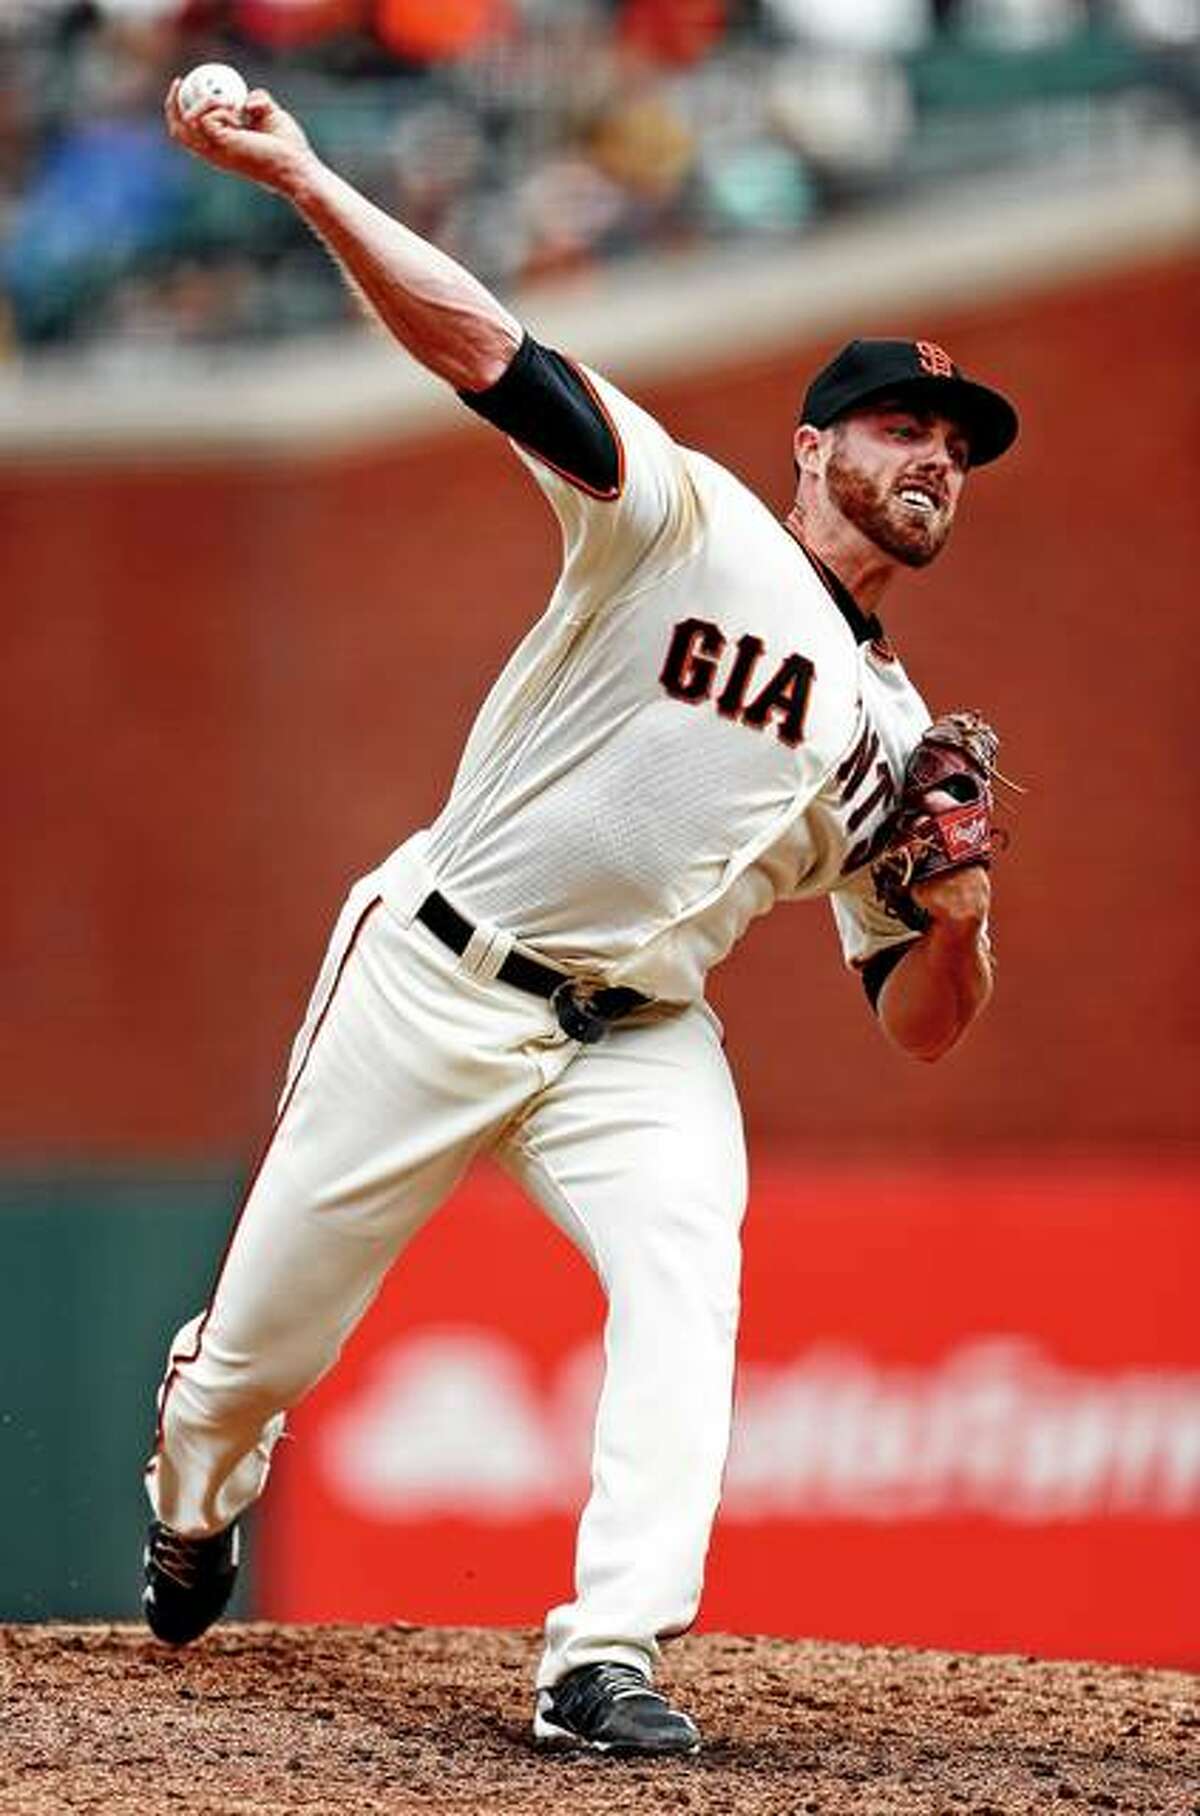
(943,820)
(211,82)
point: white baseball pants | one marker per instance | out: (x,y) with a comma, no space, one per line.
(406,1068)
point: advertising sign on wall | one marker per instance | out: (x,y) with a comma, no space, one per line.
(968,1419)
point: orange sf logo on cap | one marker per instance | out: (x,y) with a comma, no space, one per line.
(934,359)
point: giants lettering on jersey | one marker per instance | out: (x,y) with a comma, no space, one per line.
(867,768)
(696,660)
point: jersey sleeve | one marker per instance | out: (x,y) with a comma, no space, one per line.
(618,483)
(873,941)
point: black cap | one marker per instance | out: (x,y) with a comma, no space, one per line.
(869,369)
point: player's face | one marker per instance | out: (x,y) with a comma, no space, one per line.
(897,474)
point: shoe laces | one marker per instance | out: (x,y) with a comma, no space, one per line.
(604,1683)
(184,1560)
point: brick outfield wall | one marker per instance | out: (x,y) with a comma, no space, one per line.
(228,692)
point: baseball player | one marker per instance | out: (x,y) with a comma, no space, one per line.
(706,719)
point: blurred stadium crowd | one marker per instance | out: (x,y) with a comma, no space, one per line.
(529,137)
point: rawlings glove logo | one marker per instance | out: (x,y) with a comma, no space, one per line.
(965,832)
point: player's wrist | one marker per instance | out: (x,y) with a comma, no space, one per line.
(304,180)
(956,905)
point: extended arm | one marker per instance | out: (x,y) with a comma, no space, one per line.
(944,979)
(615,478)
(443,315)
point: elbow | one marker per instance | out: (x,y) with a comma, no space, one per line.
(924,1038)
(479,357)
(927,1052)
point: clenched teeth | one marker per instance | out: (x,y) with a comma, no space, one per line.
(918,498)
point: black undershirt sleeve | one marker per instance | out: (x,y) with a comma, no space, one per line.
(879,968)
(546,404)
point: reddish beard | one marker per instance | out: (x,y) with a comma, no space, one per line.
(881,517)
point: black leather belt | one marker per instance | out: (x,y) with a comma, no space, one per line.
(583,1013)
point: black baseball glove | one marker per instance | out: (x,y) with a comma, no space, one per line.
(943,819)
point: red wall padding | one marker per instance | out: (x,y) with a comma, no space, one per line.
(967,1427)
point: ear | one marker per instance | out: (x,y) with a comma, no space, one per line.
(806,448)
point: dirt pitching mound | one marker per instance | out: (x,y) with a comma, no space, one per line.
(387,1719)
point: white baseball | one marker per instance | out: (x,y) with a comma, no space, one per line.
(211,82)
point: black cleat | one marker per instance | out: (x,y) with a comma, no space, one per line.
(611,1708)
(188,1581)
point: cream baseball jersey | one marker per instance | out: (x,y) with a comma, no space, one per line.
(701,724)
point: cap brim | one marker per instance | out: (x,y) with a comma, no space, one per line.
(988,419)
